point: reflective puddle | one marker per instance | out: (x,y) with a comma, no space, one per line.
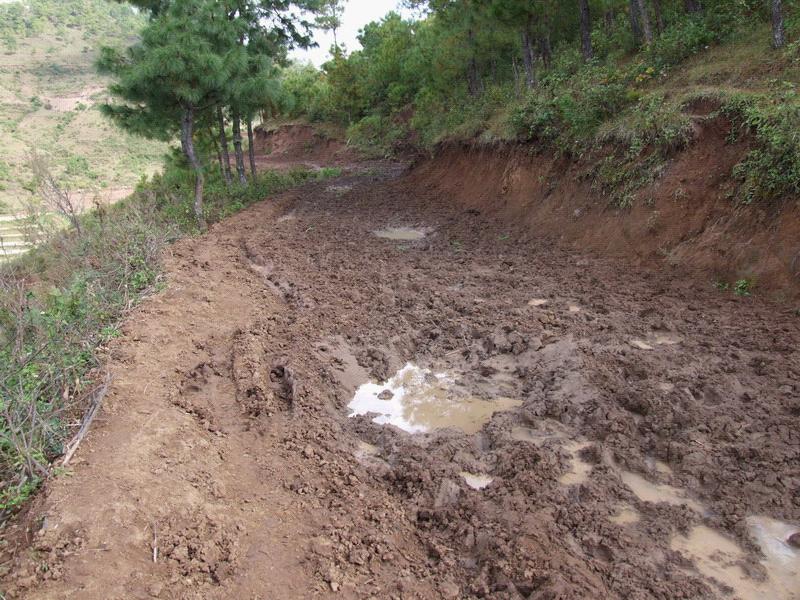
(720,558)
(782,560)
(713,554)
(476,482)
(407,234)
(418,400)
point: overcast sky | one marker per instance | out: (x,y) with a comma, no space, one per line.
(357,13)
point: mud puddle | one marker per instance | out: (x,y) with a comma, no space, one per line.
(579,468)
(418,400)
(658,492)
(401,234)
(718,557)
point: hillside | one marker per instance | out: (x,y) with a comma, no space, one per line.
(49,91)
(531,332)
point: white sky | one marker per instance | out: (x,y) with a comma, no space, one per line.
(357,13)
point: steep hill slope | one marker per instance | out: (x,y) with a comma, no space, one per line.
(49,91)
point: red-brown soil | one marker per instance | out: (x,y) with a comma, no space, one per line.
(224,464)
(301,145)
(686,217)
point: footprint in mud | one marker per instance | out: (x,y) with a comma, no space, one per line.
(195,392)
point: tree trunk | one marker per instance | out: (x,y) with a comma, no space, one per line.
(251,148)
(692,6)
(223,142)
(528,60)
(644,16)
(237,147)
(187,143)
(778,30)
(659,16)
(586,30)
(473,77)
(608,20)
(546,50)
(636,23)
(216,150)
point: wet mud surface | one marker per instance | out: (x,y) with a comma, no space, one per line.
(646,444)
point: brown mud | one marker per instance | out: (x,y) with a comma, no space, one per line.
(650,409)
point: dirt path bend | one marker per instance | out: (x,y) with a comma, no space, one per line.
(645,442)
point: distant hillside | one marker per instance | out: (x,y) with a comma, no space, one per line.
(48,95)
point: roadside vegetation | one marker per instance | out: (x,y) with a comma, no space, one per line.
(196,74)
(63,301)
(580,78)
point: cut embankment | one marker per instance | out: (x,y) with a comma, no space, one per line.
(685,217)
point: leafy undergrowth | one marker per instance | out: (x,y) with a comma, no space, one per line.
(643,115)
(63,300)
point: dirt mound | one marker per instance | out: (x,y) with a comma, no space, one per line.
(686,217)
(647,440)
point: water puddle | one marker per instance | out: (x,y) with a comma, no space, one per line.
(720,558)
(338,190)
(626,516)
(782,560)
(403,234)
(641,345)
(417,400)
(547,430)
(666,340)
(657,492)
(476,482)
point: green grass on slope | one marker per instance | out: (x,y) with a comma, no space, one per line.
(49,92)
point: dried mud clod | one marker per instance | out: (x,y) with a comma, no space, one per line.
(198,545)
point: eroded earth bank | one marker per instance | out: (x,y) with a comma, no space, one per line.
(583,428)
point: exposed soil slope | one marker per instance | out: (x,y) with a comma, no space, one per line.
(686,217)
(300,144)
(224,464)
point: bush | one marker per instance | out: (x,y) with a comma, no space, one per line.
(376,136)
(771,170)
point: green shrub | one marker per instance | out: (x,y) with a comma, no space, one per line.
(771,170)
(376,136)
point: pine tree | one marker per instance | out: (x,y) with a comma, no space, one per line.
(171,76)
(330,19)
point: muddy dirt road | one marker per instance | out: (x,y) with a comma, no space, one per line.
(581,428)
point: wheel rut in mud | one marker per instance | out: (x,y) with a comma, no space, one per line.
(582,428)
